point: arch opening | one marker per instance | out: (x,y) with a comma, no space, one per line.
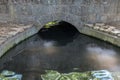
(57,30)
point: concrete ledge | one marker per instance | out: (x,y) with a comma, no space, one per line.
(100,35)
(20,36)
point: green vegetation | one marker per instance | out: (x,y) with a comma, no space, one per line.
(90,75)
(10,75)
(50,24)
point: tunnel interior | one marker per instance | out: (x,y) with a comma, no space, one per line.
(57,30)
(60,31)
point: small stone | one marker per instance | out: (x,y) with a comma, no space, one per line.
(7,73)
(109,30)
(10,75)
(27,26)
(96,27)
(105,27)
(102,29)
(100,24)
(118,35)
(112,32)
(111,27)
(102,75)
(21,30)
(12,33)
(106,30)
(116,31)
(89,25)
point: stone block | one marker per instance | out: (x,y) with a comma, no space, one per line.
(75,10)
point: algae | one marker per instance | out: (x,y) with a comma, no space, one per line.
(10,75)
(90,75)
(50,24)
(51,75)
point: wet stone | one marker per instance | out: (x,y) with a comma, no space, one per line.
(102,75)
(7,73)
(10,75)
(90,75)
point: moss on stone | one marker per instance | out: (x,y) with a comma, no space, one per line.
(54,75)
(50,24)
(89,75)
(10,75)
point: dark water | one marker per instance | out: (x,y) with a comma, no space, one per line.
(35,55)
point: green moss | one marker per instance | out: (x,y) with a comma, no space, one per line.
(90,75)
(7,73)
(10,75)
(50,75)
(54,75)
(50,24)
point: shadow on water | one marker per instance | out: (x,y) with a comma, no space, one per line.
(63,52)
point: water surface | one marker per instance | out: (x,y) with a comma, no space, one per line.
(78,52)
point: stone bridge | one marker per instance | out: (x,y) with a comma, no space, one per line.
(76,12)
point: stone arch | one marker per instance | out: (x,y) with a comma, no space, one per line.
(72,19)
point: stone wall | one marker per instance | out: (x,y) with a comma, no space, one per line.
(75,11)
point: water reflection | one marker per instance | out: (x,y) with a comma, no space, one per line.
(35,55)
(49,47)
(104,58)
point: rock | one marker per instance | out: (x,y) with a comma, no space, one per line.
(17,29)
(51,75)
(89,25)
(90,75)
(111,27)
(100,24)
(12,33)
(102,75)
(7,73)
(105,27)
(10,75)
(27,26)
(96,27)
(15,77)
(118,34)
(102,29)
(109,30)
(116,31)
